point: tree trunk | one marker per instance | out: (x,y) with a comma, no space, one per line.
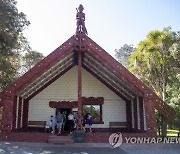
(164,122)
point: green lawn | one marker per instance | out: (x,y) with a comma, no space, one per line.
(171,132)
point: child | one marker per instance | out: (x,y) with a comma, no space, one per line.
(90,122)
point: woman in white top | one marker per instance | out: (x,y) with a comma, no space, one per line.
(71,121)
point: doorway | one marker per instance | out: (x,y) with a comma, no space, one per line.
(66,111)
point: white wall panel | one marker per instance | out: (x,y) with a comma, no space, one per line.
(65,88)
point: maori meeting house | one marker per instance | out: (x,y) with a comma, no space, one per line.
(79,76)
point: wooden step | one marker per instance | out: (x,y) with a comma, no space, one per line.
(60,139)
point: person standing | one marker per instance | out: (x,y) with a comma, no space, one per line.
(64,120)
(71,122)
(59,122)
(53,124)
(90,122)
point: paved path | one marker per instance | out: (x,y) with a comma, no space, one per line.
(86,148)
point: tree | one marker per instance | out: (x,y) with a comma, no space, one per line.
(173,89)
(123,54)
(154,63)
(29,60)
(173,92)
(12,41)
(12,24)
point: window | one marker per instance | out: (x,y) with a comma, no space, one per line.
(93,106)
(95,111)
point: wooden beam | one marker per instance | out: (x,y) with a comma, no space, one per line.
(80,84)
(25,114)
(14,113)
(135,114)
(128,115)
(44,65)
(19,113)
(141,113)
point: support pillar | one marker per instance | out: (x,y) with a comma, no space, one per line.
(150,116)
(79,87)
(135,114)
(141,113)
(14,114)
(19,113)
(8,107)
(132,113)
(25,114)
(128,115)
(138,114)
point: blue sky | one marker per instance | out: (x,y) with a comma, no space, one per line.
(110,23)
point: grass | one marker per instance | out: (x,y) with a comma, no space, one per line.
(171,132)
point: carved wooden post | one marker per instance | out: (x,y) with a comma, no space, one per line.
(81,31)
(19,113)
(25,114)
(7,117)
(141,114)
(79,87)
(128,115)
(150,115)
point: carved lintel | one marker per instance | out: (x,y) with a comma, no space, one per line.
(63,104)
(93,100)
(74,104)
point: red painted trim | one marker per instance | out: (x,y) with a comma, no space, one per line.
(150,116)
(93,100)
(50,82)
(25,114)
(44,65)
(40,70)
(141,113)
(19,113)
(74,104)
(114,66)
(7,117)
(135,114)
(63,104)
(80,84)
(105,83)
(128,115)
(14,113)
